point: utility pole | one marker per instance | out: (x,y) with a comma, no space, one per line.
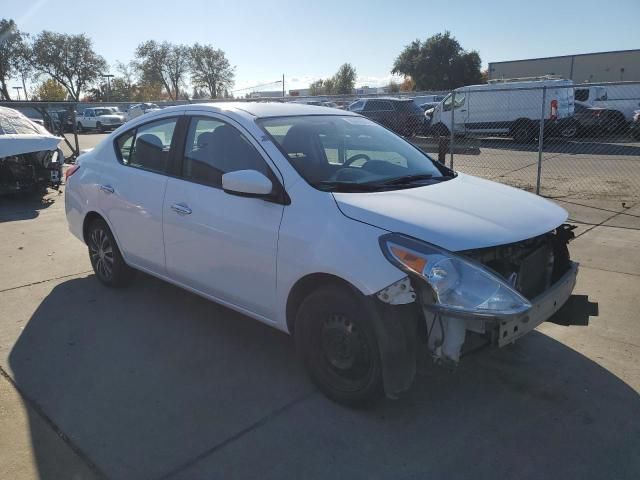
(17,89)
(108,76)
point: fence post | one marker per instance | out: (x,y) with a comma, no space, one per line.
(453,109)
(541,138)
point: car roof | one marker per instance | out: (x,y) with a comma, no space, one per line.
(390,99)
(273,109)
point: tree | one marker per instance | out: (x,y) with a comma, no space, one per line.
(68,59)
(393,87)
(440,63)
(407,85)
(11,47)
(50,90)
(341,83)
(164,63)
(345,79)
(316,88)
(210,70)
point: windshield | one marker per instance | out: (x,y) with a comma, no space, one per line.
(351,153)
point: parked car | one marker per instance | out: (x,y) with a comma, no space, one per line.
(137,110)
(30,159)
(434,99)
(635,125)
(595,120)
(622,98)
(61,118)
(512,108)
(100,119)
(402,116)
(327,226)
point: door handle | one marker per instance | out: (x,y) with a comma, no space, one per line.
(107,189)
(181,209)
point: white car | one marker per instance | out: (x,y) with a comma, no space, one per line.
(99,118)
(135,111)
(325,225)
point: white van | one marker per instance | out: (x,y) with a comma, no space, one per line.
(508,107)
(621,97)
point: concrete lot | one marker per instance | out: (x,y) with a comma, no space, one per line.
(154,382)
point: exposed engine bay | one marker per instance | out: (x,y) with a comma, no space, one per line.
(30,159)
(31,171)
(532,267)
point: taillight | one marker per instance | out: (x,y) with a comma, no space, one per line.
(71,170)
(554,109)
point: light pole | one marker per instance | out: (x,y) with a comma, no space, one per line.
(17,89)
(108,76)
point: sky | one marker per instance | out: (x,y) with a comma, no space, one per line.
(310,40)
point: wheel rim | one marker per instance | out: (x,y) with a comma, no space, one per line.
(101,252)
(345,351)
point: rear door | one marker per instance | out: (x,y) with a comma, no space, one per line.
(221,244)
(132,191)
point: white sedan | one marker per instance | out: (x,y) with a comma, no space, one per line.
(325,225)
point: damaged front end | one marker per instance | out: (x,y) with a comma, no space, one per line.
(495,295)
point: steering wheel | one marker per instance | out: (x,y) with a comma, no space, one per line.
(357,156)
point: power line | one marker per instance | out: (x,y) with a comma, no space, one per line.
(256,86)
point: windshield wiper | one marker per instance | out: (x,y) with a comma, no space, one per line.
(336,186)
(408,179)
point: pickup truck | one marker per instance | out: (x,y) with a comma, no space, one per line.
(100,119)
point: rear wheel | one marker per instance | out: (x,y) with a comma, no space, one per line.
(523,133)
(338,346)
(106,259)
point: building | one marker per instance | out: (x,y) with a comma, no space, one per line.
(621,65)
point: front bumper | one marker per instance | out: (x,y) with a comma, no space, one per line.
(544,306)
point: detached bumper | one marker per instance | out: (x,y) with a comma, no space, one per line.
(544,306)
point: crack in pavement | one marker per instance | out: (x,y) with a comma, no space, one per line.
(603,222)
(33,405)
(44,281)
(259,423)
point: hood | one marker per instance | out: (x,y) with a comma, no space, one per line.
(459,214)
(18,144)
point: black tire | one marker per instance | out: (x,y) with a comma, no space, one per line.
(338,346)
(523,133)
(100,127)
(79,128)
(441,130)
(105,256)
(615,123)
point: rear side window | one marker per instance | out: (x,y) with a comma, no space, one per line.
(147,147)
(214,148)
(582,94)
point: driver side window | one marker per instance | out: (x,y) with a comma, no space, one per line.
(214,148)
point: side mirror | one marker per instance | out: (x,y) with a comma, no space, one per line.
(248,183)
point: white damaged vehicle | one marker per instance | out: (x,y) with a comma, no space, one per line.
(30,159)
(323,224)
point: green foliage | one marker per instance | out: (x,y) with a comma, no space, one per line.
(11,54)
(341,83)
(440,63)
(163,63)
(210,70)
(50,90)
(68,59)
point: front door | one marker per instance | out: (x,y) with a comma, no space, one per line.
(221,244)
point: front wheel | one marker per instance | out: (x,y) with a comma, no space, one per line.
(105,256)
(338,346)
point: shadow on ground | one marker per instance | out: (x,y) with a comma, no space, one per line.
(24,206)
(153,381)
